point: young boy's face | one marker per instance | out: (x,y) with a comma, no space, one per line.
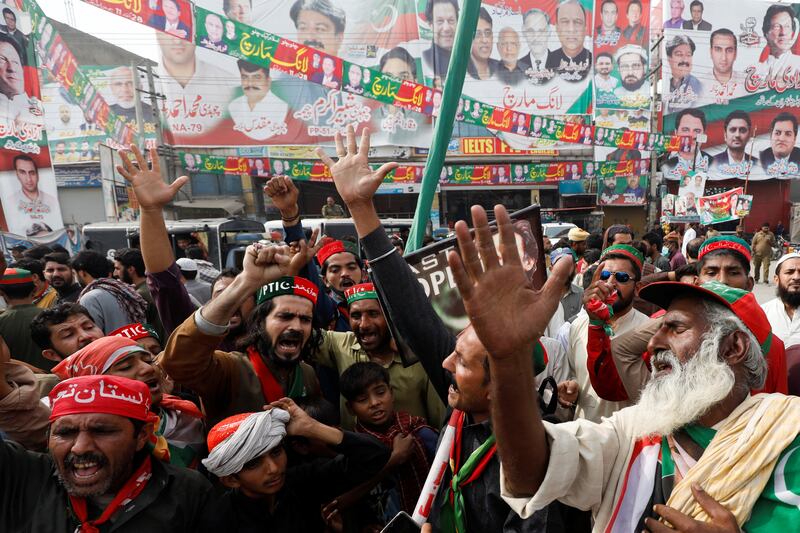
(263,476)
(375,406)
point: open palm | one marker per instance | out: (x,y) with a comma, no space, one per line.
(508,314)
(355,181)
(148,184)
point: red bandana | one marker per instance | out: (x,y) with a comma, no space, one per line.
(111,395)
(96,357)
(335,247)
(132,488)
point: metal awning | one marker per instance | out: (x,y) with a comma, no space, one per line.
(229,206)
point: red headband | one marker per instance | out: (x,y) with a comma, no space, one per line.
(724,245)
(96,357)
(111,395)
(335,247)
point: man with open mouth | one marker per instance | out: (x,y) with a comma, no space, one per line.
(99,473)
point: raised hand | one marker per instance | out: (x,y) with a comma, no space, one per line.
(284,194)
(152,192)
(355,181)
(302,252)
(264,263)
(508,314)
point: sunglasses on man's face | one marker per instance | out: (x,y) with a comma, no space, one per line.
(621,277)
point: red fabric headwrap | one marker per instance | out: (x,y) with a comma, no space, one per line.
(111,395)
(335,247)
(97,357)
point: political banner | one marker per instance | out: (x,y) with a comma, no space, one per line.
(171,16)
(375,79)
(78,88)
(27,182)
(691,188)
(719,208)
(78,176)
(732,75)
(674,209)
(743,205)
(621,54)
(616,191)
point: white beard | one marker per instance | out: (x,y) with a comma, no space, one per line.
(685,394)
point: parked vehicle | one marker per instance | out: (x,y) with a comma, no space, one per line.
(225,238)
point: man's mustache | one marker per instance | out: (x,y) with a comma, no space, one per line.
(684,64)
(314,43)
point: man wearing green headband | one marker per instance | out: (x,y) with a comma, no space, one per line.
(615,279)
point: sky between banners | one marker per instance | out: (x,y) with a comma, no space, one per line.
(317,87)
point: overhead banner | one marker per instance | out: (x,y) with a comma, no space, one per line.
(247,84)
(734,76)
(59,61)
(27,182)
(508,174)
(621,54)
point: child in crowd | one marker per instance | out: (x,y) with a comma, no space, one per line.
(369,397)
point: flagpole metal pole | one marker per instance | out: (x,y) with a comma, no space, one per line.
(443,128)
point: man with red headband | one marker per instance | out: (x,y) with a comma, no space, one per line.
(247,453)
(98,474)
(144,334)
(620,368)
(281,334)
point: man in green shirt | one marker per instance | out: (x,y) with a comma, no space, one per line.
(18,289)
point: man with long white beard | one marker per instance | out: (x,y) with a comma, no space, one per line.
(695,424)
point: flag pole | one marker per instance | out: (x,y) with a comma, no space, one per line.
(443,129)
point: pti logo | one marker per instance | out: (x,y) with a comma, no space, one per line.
(749,37)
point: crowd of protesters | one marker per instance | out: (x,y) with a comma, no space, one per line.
(642,387)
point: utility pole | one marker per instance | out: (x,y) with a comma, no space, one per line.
(137,103)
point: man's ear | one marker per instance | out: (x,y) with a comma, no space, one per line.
(735,348)
(52,355)
(750,283)
(144,435)
(231,481)
(637,287)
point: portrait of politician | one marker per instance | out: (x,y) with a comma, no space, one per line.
(737,132)
(15,106)
(782,157)
(170,22)
(780,31)
(684,88)
(10,28)
(124,92)
(442,16)
(696,21)
(327,76)
(634,32)
(258,113)
(214,31)
(689,123)
(572,62)
(536,30)
(30,202)
(608,33)
(508,45)
(354,78)
(319,24)
(239,10)
(481,65)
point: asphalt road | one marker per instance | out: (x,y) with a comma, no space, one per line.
(763,292)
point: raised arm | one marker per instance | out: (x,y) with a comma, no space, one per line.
(163,278)
(406,303)
(509,316)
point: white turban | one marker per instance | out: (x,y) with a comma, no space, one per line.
(244,437)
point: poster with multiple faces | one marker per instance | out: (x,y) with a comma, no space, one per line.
(732,75)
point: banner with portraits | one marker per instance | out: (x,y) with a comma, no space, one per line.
(27,182)
(621,54)
(614,190)
(731,72)
(719,208)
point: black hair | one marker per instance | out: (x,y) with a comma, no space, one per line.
(398,52)
(323,7)
(693,247)
(696,3)
(228,273)
(737,113)
(7,11)
(562,4)
(602,54)
(189,274)
(776,9)
(93,263)
(431,3)
(131,257)
(359,376)
(784,117)
(484,14)
(615,230)
(247,66)
(194,252)
(257,336)
(594,242)
(6,38)
(34,266)
(689,269)
(692,112)
(40,325)
(633,3)
(612,2)
(38,251)
(677,41)
(654,239)
(56,257)
(723,31)
(324,267)
(319,409)
(721,253)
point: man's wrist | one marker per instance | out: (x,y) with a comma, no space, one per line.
(152,209)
